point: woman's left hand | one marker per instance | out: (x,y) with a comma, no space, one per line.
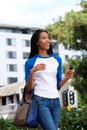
(69,74)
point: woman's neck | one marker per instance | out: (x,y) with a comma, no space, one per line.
(43,53)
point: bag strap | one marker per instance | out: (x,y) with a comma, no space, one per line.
(30,93)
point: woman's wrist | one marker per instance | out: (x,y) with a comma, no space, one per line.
(32,71)
(67,78)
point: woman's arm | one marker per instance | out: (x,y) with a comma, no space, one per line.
(30,82)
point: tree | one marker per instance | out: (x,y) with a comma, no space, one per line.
(72,29)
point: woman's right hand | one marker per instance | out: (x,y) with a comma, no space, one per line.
(30,83)
(38,67)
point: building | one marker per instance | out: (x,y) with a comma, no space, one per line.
(14,49)
(65,53)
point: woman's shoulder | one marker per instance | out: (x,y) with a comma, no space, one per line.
(57,57)
(31,61)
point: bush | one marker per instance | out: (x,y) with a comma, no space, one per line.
(6,124)
(76,119)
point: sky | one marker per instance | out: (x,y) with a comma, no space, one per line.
(35,12)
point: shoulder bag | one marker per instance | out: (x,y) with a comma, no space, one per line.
(26,113)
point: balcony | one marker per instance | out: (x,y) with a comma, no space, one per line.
(8,111)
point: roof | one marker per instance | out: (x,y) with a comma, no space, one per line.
(10,89)
(19,26)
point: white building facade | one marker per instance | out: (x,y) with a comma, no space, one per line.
(14,50)
(66,53)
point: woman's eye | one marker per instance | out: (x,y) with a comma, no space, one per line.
(43,37)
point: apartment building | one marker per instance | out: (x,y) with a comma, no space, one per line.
(15,48)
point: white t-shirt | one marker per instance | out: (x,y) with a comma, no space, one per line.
(45,81)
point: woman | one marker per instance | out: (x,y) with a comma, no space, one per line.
(43,72)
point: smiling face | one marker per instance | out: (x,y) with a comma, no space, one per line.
(44,41)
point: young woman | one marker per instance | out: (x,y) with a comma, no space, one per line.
(43,73)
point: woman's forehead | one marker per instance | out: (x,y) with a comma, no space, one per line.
(43,34)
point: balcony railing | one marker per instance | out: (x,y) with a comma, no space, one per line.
(8,109)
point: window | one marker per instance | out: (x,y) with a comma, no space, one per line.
(31,31)
(67,46)
(12,67)
(11,54)
(12,79)
(25,55)
(66,57)
(78,57)
(55,49)
(11,42)
(26,43)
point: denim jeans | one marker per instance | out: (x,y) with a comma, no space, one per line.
(48,112)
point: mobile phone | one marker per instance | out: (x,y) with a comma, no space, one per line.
(71,68)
